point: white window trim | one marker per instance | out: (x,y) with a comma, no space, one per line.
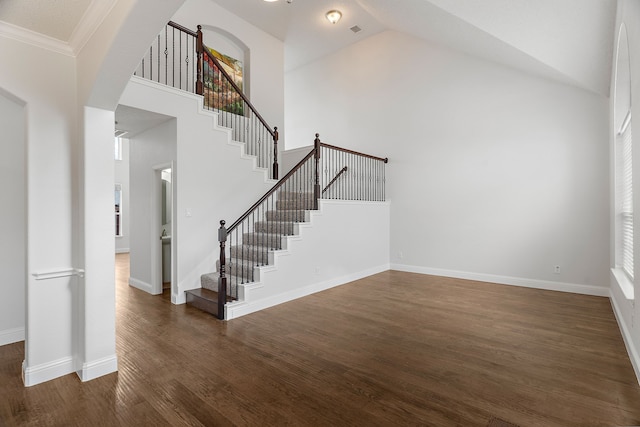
(625,285)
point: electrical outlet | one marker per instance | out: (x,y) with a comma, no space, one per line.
(556,269)
(400,255)
(317,271)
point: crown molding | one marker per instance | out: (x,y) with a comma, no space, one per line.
(35,39)
(89,23)
(87,26)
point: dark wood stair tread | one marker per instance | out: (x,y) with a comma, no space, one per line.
(207,294)
(205,300)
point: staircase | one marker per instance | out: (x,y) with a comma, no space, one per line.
(247,257)
(264,229)
(255,239)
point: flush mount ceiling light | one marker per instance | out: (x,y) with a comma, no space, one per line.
(333,16)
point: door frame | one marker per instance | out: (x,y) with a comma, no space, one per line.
(156,223)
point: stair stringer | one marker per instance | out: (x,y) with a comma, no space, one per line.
(344,241)
(209,164)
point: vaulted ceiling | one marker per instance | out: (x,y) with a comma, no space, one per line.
(570,41)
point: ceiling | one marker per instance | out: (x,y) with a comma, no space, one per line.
(53,18)
(133,121)
(570,41)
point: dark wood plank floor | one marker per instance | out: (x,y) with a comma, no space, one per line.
(392,349)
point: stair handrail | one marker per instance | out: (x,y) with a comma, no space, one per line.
(357,153)
(305,172)
(237,89)
(170,61)
(203,50)
(271,191)
(182,28)
(223,232)
(335,178)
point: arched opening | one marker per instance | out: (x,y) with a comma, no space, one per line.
(231,46)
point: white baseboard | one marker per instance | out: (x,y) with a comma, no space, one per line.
(628,340)
(507,280)
(32,375)
(241,308)
(179,298)
(98,368)
(122,250)
(9,336)
(139,284)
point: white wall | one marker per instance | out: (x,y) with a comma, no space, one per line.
(13,220)
(51,142)
(122,178)
(493,174)
(318,258)
(625,308)
(292,157)
(147,150)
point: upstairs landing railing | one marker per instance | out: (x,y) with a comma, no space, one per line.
(326,172)
(179,58)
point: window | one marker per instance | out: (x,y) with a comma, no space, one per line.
(118,149)
(623,165)
(624,197)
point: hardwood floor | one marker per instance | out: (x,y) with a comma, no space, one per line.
(392,349)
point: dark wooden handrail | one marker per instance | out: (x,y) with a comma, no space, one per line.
(305,179)
(335,178)
(270,192)
(315,151)
(205,50)
(183,29)
(369,156)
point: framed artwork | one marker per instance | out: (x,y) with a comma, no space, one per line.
(219,93)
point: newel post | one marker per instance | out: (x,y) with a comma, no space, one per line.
(316,187)
(199,49)
(222,281)
(275,152)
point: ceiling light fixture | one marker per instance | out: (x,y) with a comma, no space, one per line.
(333,16)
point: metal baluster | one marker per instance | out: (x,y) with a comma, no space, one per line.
(186,60)
(151,62)
(173,57)
(158,78)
